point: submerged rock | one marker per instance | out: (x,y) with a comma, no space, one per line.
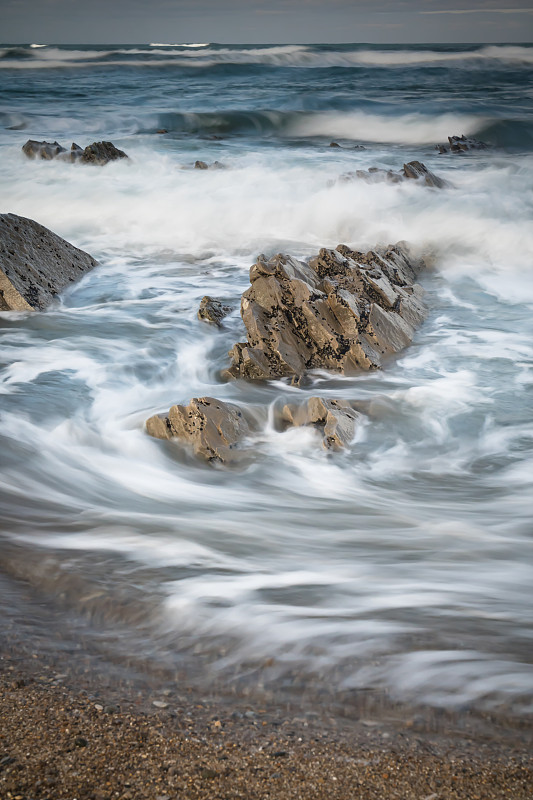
(35,264)
(212,310)
(334,418)
(204,165)
(461,144)
(98,153)
(212,428)
(414,170)
(344,311)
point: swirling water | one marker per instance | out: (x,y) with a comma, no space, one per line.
(405,562)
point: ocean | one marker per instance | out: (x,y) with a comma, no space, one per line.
(402,566)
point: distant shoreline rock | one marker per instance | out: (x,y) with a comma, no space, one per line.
(413,170)
(461,144)
(98,153)
(35,264)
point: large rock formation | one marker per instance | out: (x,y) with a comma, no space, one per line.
(414,170)
(35,264)
(344,311)
(336,420)
(99,153)
(212,428)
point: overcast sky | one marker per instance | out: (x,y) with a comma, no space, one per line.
(264,21)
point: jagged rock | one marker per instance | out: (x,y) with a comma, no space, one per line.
(413,170)
(214,429)
(335,418)
(35,264)
(461,144)
(212,310)
(99,153)
(44,150)
(200,165)
(343,311)
(418,171)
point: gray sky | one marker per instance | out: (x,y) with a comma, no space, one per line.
(265,21)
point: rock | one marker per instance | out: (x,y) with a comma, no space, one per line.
(334,144)
(335,418)
(44,150)
(343,311)
(161,130)
(461,144)
(35,264)
(413,170)
(214,429)
(214,165)
(418,171)
(99,153)
(212,310)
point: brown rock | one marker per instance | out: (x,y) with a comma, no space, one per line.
(344,311)
(44,150)
(212,310)
(335,418)
(214,429)
(35,264)
(419,171)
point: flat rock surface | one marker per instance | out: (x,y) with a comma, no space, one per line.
(344,311)
(212,428)
(35,264)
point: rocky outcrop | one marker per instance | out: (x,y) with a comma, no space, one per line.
(35,264)
(414,170)
(344,311)
(212,310)
(336,420)
(101,153)
(215,430)
(461,144)
(98,153)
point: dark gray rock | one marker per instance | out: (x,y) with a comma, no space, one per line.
(212,310)
(461,144)
(35,264)
(336,419)
(414,170)
(213,429)
(101,153)
(344,311)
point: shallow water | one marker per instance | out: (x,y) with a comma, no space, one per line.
(403,563)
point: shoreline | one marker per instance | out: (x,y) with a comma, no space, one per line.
(59,741)
(78,725)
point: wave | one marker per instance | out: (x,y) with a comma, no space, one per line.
(204,55)
(356,126)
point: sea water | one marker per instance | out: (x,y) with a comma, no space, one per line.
(404,562)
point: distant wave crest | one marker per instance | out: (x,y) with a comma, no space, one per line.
(205,55)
